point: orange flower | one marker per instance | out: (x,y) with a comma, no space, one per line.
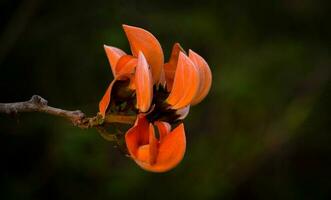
(145,49)
(152,154)
(179,83)
(188,78)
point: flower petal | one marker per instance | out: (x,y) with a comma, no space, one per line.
(143,83)
(205,77)
(143,155)
(170,67)
(171,150)
(150,154)
(153,145)
(144,41)
(113,55)
(103,104)
(186,83)
(162,79)
(183,112)
(137,137)
(125,66)
(164,128)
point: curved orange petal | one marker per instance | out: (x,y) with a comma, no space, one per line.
(113,55)
(162,78)
(171,151)
(125,66)
(143,155)
(141,142)
(164,128)
(170,67)
(144,41)
(103,104)
(205,77)
(153,145)
(186,83)
(143,84)
(137,137)
(148,152)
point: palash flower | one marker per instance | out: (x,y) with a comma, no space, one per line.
(147,52)
(161,93)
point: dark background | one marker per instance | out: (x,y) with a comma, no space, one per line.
(262,133)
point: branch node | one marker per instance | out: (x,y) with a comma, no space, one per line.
(38,100)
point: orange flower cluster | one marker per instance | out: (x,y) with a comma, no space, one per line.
(159,93)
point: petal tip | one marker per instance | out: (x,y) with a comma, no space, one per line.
(193,53)
(128,28)
(142,40)
(182,56)
(125,26)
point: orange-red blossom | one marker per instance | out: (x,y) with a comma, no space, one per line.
(160,94)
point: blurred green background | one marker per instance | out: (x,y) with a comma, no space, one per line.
(262,133)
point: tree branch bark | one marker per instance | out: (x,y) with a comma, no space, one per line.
(76,117)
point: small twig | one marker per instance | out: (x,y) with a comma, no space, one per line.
(77,117)
(123,119)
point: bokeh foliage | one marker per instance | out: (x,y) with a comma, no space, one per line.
(261,133)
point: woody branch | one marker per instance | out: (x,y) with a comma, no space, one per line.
(76,117)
